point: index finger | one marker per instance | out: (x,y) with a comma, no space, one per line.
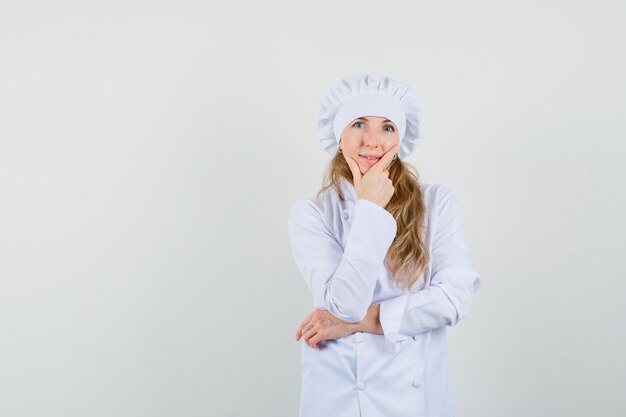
(385,160)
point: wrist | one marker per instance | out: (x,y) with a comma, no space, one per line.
(371,322)
(357,327)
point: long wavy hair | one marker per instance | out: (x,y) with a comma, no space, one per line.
(408,255)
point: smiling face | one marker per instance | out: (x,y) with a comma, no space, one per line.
(366,139)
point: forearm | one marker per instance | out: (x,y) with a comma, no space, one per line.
(341,278)
(371,322)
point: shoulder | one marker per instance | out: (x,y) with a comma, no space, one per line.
(315,209)
(436,195)
(304,208)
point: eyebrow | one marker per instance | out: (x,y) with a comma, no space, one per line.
(363,118)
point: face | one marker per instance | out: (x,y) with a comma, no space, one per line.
(368,136)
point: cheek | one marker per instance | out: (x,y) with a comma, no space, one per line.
(351,149)
(393,142)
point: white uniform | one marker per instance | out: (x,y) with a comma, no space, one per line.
(339,247)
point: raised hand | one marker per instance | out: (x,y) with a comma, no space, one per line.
(375,184)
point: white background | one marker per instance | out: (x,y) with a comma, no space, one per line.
(150,151)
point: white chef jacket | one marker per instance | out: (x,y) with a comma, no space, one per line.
(339,247)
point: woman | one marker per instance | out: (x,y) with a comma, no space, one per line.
(375,343)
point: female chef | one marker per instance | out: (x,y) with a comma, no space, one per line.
(385,260)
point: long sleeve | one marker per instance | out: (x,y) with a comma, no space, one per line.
(448,297)
(342,280)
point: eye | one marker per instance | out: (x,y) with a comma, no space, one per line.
(391,128)
(357,123)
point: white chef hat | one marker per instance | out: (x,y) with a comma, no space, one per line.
(362,95)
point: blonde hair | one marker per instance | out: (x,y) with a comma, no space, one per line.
(408,254)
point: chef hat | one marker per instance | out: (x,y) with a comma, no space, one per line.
(362,95)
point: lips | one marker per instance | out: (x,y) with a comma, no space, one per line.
(371,157)
(370,160)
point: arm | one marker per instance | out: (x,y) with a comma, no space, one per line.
(320,325)
(448,297)
(342,280)
(371,322)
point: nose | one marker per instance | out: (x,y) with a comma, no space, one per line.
(372,137)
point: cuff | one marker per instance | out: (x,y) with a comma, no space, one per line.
(390,315)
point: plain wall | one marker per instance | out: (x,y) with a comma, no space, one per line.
(150,152)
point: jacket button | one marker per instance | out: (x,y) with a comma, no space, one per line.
(417,383)
(345,215)
(414,337)
(360,385)
(359,338)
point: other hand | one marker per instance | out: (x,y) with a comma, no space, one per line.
(321,325)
